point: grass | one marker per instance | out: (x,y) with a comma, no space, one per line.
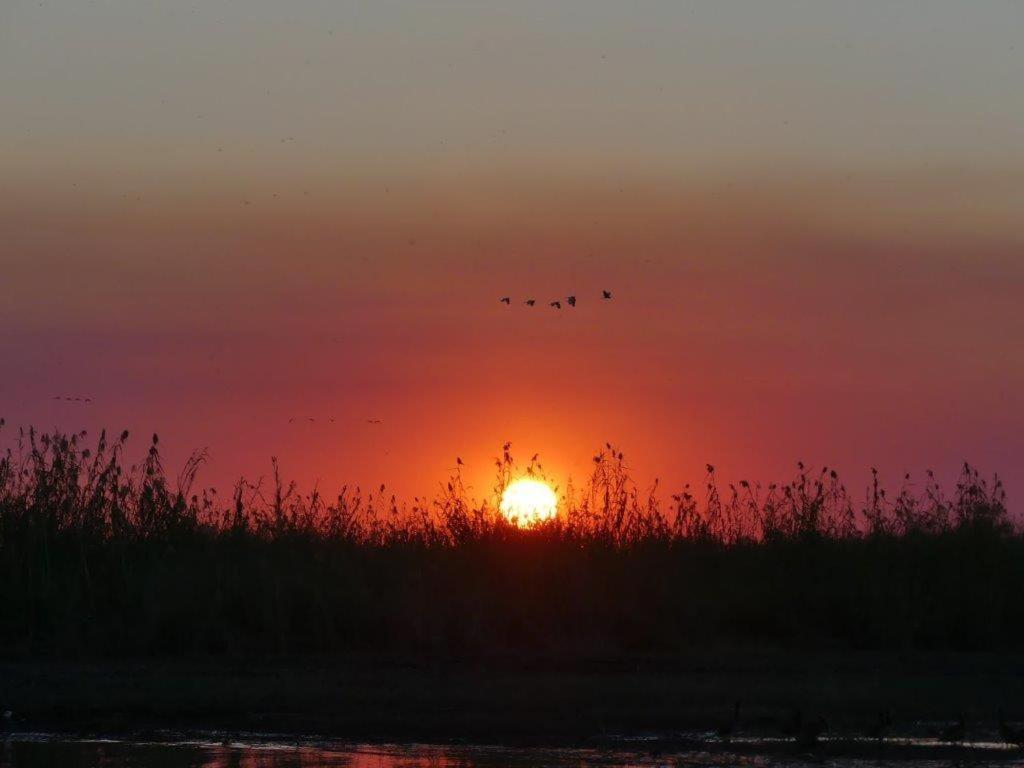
(103,560)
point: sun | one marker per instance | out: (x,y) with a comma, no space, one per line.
(527,502)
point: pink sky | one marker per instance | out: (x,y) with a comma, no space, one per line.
(216,221)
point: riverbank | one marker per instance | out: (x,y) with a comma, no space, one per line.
(520,700)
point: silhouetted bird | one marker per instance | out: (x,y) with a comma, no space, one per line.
(530,302)
(1008,733)
(725,729)
(291,421)
(955,733)
(572,301)
(458,460)
(606,294)
(556,304)
(506,299)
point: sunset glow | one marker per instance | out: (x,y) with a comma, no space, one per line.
(527,502)
(184,195)
(511,381)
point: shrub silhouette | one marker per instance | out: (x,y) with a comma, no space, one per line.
(99,558)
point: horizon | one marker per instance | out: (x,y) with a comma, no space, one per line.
(487,383)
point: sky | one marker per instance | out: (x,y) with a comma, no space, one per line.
(219,217)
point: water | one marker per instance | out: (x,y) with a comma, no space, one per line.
(210,751)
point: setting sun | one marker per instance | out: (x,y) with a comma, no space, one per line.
(527,501)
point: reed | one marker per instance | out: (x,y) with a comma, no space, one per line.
(103,558)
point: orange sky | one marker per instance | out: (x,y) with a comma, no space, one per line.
(810,219)
(752,325)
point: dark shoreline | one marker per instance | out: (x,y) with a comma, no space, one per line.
(597,752)
(674,703)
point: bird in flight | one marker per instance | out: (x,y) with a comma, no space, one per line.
(606,294)
(556,304)
(572,301)
(506,299)
(530,302)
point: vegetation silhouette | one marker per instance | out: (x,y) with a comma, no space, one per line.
(100,558)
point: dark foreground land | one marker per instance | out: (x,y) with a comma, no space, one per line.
(130,603)
(539,701)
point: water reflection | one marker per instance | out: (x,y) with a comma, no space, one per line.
(39,751)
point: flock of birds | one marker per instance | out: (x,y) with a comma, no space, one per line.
(331,420)
(292,420)
(507,300)
(557,303)
(808,732)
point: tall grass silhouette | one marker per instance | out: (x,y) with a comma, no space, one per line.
(101,558)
